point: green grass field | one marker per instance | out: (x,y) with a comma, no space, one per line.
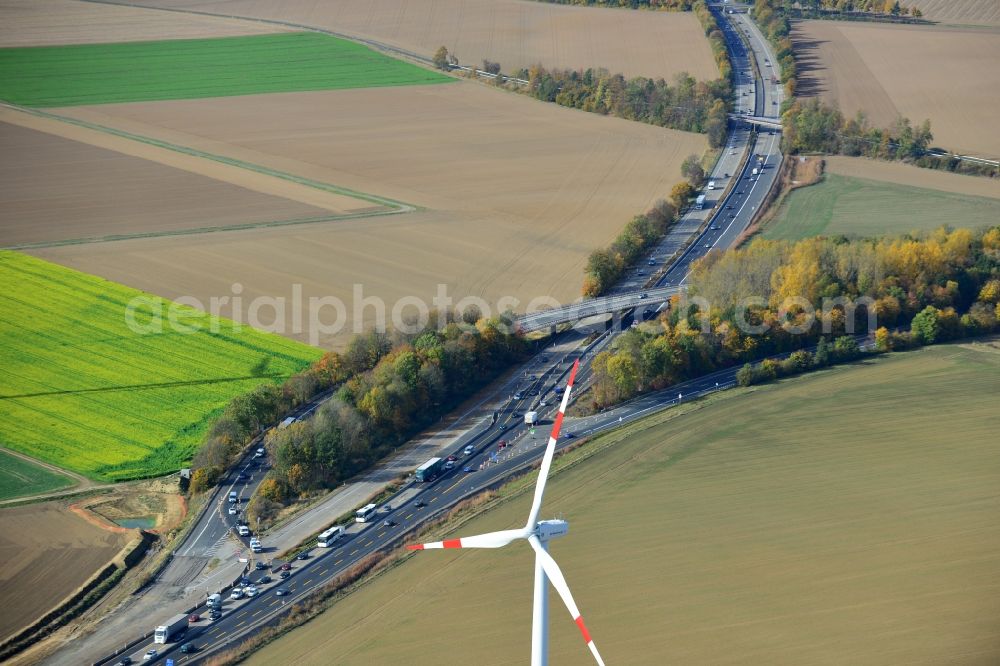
(83,391)
(843,517)
(192,68)
(855,206)
(18,477)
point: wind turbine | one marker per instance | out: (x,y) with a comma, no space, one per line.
(537,534)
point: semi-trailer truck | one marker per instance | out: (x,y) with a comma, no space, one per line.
(171,630)
(430,469)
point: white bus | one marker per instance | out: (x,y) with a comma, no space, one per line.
(364,513)
(328,538)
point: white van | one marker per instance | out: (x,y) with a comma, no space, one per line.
(243,530)
(233,496)
(711,184)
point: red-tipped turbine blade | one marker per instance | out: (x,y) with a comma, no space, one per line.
(550,449)
(489,540)
(559,582)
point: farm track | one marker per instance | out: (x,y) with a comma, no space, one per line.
(82,482)
(394,206)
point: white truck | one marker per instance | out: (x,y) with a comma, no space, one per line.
(755,171)
(172,629)
(699,203)
(530,418)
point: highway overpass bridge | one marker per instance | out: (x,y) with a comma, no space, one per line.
(770,123)
(574,312)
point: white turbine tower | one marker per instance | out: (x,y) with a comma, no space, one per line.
(537,534)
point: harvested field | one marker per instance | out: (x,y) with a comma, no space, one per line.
(194,68)
(720,534)
(90,387)
(906,174)
(946,74)
(512,32)
(48,22)
(519,193)
(961,12)
(861,207)
(48,551)
(58,190)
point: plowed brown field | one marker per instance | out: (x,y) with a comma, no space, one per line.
(518,194)
(54,189)
(514,33)
(45,22)
(47,553)
(946,74)
(970,12)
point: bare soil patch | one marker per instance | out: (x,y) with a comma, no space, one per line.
(55,189)
(965,12)
(514,33)
(46,22)
(946,74)
(48,551)
(519,193)
(906,174)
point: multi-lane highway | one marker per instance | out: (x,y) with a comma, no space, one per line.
(738,195)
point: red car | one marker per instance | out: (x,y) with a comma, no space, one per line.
(194,617)
(286,566)
(452,458)
(502,445)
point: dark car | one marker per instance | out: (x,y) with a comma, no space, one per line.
(259,565)
(284,574)
(264,580)
(125,661)
(286,566)
(420,504)
(388,522)
(188,648)
(570,435)
(302,556)
(467,468)
(214,614)
(281,592)
(245,580)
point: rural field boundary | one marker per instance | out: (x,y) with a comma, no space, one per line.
(285,24)
(393,206)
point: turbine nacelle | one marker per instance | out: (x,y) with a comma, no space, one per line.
(551,529)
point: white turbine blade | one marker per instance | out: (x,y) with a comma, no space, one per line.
(489,540)
(555,576)
(550,449)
